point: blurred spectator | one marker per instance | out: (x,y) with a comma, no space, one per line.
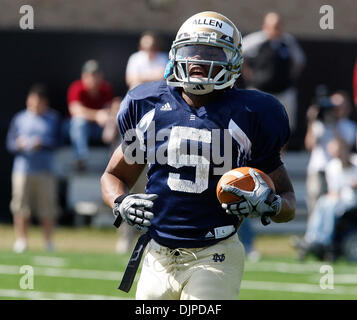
(273,63)
(148,64)
(341,176)
(355,84)
(110,134)
(89,100)
(327,120)
(246,234)
(33,135)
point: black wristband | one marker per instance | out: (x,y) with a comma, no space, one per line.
(117,201)
(120,199)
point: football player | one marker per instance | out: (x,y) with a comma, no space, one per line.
(180,127)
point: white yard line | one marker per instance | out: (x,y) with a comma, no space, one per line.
(246,285)
(339,278)
(116,276)
(293,267)
(41,295)
(295,287)
(345,278)
(49,261)
(282,267)
(65,273)
(6,269)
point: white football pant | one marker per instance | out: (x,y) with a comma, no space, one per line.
(211,273)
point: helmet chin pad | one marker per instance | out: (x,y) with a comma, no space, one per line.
(195,87)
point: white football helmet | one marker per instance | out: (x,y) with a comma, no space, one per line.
(206,54)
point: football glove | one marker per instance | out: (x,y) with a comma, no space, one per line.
(261,202)
(133,209)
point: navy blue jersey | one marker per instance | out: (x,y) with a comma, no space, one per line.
(189,149)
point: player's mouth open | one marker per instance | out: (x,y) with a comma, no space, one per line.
(197,71)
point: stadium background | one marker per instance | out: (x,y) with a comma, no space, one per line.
(68,32)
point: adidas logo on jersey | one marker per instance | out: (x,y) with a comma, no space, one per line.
(166,107)
(192,117)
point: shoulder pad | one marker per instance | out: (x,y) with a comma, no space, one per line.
(149,89)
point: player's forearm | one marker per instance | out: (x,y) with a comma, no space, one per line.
(285,190)
(119,177)
(112,187)
(288,206)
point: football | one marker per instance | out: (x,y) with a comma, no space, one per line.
(239,178)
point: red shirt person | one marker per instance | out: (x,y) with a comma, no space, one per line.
(89,101)
(355,84)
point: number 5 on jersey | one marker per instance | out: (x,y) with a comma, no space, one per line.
(178,159)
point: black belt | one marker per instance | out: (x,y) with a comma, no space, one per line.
(134,262)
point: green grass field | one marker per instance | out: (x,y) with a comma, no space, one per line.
(85,266)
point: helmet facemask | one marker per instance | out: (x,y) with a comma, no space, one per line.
(219,56)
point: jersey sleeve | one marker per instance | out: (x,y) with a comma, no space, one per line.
(126,115)
(134,118)
(137,109)
(127,122)
(271,134)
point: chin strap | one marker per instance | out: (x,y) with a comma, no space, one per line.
(198,89)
